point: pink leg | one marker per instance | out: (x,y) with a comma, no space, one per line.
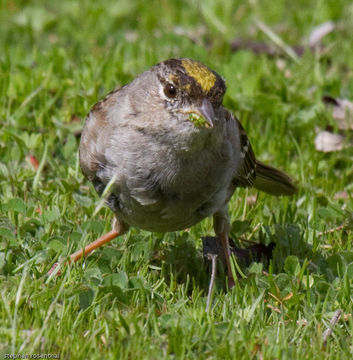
(119,228)
(221,227)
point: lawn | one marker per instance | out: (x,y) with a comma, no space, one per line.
(143,296)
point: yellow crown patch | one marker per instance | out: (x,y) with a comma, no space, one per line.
(204,77)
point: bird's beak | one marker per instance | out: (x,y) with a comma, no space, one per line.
(206,110)
(202,115)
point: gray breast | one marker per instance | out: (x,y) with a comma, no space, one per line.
(163,191)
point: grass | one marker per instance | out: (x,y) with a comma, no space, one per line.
(144,295)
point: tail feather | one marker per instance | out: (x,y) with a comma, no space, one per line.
(273,181)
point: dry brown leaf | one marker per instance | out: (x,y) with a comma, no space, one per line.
(347,317)
(273,308)
(75,118)
(319,32)
(287,297)
(341,195)
(342,111)
(251,199)
(211,245)
(275,297)
(326,141)
(302,322)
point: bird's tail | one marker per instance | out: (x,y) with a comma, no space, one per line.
(273,181)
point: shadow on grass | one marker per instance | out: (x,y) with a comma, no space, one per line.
(286,247)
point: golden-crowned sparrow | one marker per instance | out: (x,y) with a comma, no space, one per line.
(175,154)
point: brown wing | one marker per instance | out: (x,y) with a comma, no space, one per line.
(93,139)
(246,173)
(252,172)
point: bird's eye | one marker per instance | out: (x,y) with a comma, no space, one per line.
(170,91)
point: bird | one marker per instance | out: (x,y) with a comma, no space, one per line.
(171,154)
